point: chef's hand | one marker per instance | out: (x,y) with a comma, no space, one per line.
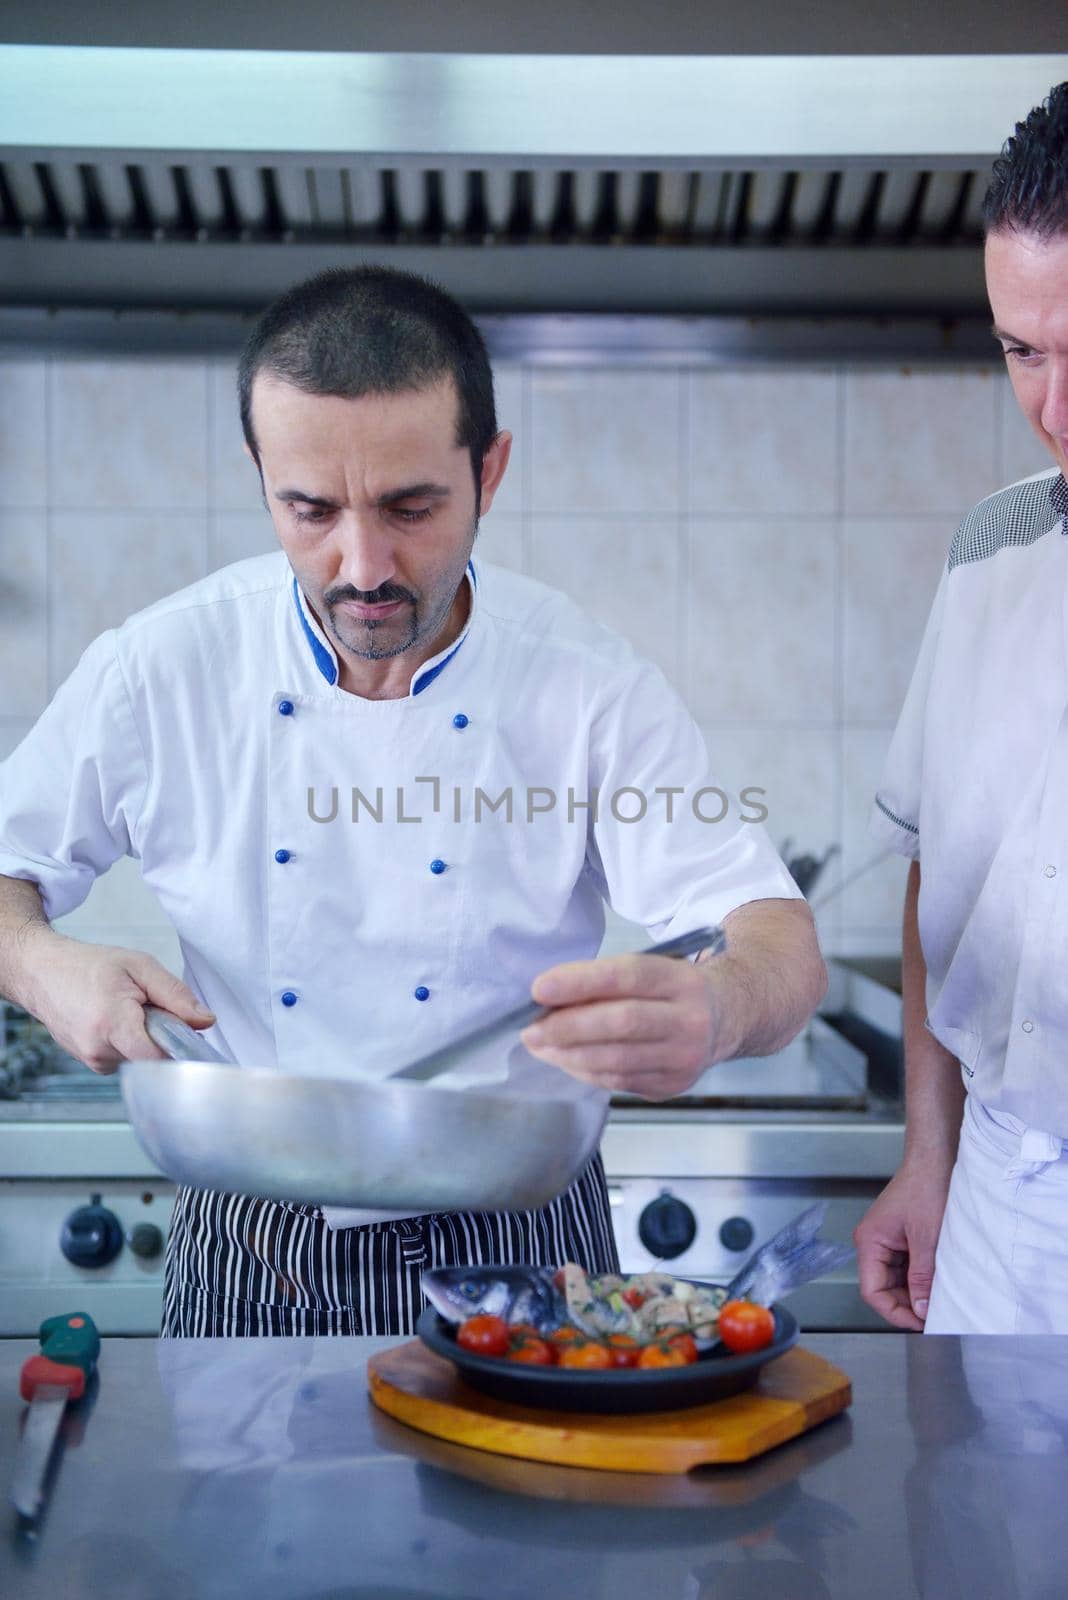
(640,1023)
(91,998)
(651,1025)
(896,1242)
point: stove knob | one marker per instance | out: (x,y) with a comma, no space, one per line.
(145,1240)
(667,1227)
(91,1236)
(736,1233)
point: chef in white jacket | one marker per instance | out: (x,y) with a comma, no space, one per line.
(382,791)
(971,1234)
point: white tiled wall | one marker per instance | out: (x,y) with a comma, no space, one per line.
(771,537)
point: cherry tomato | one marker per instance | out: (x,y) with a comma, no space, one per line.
(484,1336)
(534,1352)
(667,1353)
(634,1298)
(523,1330)
(623,1349)
(568,1334)
(744,1326)
(685,1342)
(588,1353)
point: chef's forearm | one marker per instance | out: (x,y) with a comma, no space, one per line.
(934,1092)
(768,981)
(23,930)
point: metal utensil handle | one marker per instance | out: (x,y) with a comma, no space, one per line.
(513,1022)
(176,1038)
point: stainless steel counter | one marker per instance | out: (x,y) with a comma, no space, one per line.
(210,1469)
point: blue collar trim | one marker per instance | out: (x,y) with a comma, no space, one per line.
(323,659)
(427,678)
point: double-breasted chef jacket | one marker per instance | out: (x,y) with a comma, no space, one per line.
(341,893)
(975,786)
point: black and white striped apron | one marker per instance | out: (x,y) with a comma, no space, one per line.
(239,1266)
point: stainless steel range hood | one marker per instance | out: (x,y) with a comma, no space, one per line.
(204,179)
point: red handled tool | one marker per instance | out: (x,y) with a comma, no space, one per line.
(58,1373)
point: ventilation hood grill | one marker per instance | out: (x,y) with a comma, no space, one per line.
(364,204)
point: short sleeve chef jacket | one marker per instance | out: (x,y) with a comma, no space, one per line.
(976,784)
(340,891)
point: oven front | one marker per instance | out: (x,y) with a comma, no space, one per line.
(84,1214)
(90,1244)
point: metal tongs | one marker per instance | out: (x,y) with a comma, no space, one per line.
(513,1022)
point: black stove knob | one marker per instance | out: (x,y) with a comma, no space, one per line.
(667,1227)
(737,1233)
(91,1236)
(145,1240)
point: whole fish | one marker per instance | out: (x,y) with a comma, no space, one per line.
(548,1297)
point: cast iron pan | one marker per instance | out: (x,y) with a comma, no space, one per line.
(714,1376)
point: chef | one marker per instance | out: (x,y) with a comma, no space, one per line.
(383,791)
(974,794)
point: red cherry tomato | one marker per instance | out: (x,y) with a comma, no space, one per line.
(484,1336)
(533,1352)
(623,1349)
(744,1326)
(587,1353)
(634,1298)
(567,1334)
(667,1353)
(685,1342)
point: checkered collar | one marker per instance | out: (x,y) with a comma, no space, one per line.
(1058,499)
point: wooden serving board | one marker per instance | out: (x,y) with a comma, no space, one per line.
(792,1394)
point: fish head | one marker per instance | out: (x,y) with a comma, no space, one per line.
(518,1294)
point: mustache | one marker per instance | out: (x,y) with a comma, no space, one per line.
(385,594)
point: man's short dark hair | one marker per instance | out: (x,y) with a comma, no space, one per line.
(1028,191)
(373,330)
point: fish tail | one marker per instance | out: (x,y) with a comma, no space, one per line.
(792,1257)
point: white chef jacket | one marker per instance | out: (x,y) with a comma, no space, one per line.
(207,737)
(976,783)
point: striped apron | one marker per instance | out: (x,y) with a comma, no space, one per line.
(238,1266)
